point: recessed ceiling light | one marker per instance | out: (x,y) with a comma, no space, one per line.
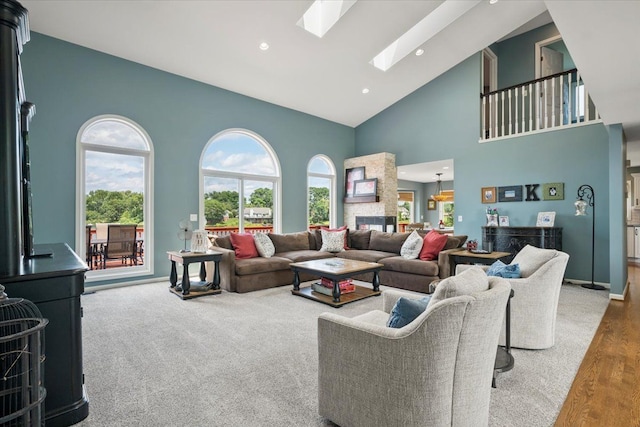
(445,167)
(365,90)
(264,46)
(493,1)
(428,27)
(419,52)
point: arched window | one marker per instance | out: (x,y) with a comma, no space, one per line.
(114,192)
(321,192)
(240,184)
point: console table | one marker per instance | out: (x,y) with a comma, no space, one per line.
(469,257)
(513,239)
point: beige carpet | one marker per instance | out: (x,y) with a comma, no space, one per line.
(151,359)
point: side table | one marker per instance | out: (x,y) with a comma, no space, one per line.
(188,289)
(467,257)
(504,358)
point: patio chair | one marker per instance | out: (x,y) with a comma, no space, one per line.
(121,244)
(89,247)
(102,228)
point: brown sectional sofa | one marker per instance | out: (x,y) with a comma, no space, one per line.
(245,275)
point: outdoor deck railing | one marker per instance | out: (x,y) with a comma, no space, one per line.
(225,231)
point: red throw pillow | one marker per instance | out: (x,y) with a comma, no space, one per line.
(432,244)
(244,245)
(346,235)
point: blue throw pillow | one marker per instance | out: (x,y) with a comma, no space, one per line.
(508,271)
(406,310)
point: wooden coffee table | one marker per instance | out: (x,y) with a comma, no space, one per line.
(336,269)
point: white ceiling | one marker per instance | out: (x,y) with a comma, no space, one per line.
(426,172)
(216,42)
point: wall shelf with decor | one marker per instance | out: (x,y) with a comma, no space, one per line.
(362,199)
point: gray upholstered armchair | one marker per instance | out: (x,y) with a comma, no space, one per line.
(535,300)
(436,371)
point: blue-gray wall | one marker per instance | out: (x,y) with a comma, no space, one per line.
(70,84)
(441,121)
(617,225)
(516,56)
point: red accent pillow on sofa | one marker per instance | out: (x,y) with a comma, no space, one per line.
(244,245)
(432,244)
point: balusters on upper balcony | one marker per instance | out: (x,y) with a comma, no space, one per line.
(556,101)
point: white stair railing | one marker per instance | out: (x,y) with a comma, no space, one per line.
(556,101)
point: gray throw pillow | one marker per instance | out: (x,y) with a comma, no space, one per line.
(332,241)
(264,245)
(412,246)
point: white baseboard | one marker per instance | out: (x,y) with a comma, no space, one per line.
(620,297)
(89,289)
(617,297)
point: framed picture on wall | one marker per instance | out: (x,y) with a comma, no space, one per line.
(365,187)
(431,205)
(512,193)
(488,194)
(553,191)
(352,175)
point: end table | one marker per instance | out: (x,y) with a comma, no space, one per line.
(504,359)
(187,289)
(466,256)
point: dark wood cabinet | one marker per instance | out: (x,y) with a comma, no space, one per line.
(512,239)
(55,284)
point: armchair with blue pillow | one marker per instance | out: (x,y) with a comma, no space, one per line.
(536,292)
(372,374)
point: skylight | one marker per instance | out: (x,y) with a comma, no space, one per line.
(323,14)
(429,26)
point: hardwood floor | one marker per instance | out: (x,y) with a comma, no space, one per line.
(606,390)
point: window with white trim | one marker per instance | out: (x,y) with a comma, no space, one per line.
(406,208)
(239,184)
(114,186)
(321,192)
(445,213)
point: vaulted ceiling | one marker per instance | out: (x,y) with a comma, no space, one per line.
(217,42)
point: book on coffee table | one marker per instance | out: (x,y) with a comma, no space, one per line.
(324,281)
(324,290)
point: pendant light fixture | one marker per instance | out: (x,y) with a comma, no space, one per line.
(439,197)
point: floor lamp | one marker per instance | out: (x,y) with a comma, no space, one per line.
(586,191)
